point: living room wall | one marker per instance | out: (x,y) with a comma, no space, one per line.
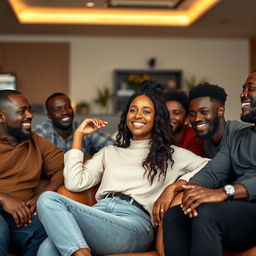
(93,60)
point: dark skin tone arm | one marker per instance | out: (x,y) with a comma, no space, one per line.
(195,195)
(20,210)
(88,126)
(17,208)
(162,204)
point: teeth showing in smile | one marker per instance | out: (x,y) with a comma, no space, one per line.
(138,124)
(27,125)
(65,119)
(246,104)
(199,126)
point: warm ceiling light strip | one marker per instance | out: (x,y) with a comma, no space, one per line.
(27,14)
(113,18)
(199,8)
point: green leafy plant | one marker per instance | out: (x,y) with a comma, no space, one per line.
(83,107)
(103,96)
(192,81)
(135,80)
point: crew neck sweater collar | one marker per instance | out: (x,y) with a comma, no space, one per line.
(140,143)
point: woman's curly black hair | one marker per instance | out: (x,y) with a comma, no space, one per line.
(160,153)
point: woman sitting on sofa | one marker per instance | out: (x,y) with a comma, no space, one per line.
(132,174)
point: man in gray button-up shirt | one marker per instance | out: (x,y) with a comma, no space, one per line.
(219,205)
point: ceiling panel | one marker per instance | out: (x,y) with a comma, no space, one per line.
(228,18)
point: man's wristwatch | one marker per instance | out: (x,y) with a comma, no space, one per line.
(230,191)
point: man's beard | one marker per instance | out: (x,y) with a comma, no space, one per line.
(215,122)
(18,133)
(250,117)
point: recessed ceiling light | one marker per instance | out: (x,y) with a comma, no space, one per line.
(183,16)
(90,4)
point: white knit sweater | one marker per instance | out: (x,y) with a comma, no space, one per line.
(120,170)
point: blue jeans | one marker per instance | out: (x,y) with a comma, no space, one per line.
(110,226)
(25,240)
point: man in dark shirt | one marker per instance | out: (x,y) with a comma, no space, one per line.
(206,115)
(218,207)
(24,158)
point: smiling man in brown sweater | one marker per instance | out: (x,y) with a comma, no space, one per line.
(24,158)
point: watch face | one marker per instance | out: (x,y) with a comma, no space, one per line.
(230,190)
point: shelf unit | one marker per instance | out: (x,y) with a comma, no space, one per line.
(126,82)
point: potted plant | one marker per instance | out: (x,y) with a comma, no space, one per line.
(135,80)
(103,98)
(192,81)
(83,107)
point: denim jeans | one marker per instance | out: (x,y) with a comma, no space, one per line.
(110,226)
(25,240)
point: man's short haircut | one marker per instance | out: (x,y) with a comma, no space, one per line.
(4,97)
(215,92)
(56,94)
(180,97)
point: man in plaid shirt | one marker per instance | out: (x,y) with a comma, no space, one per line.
(60,128)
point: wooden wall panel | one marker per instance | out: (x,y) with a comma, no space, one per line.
(41,68)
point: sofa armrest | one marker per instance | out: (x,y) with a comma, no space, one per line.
(85,197)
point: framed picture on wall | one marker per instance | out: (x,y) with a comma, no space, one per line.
(126,82)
